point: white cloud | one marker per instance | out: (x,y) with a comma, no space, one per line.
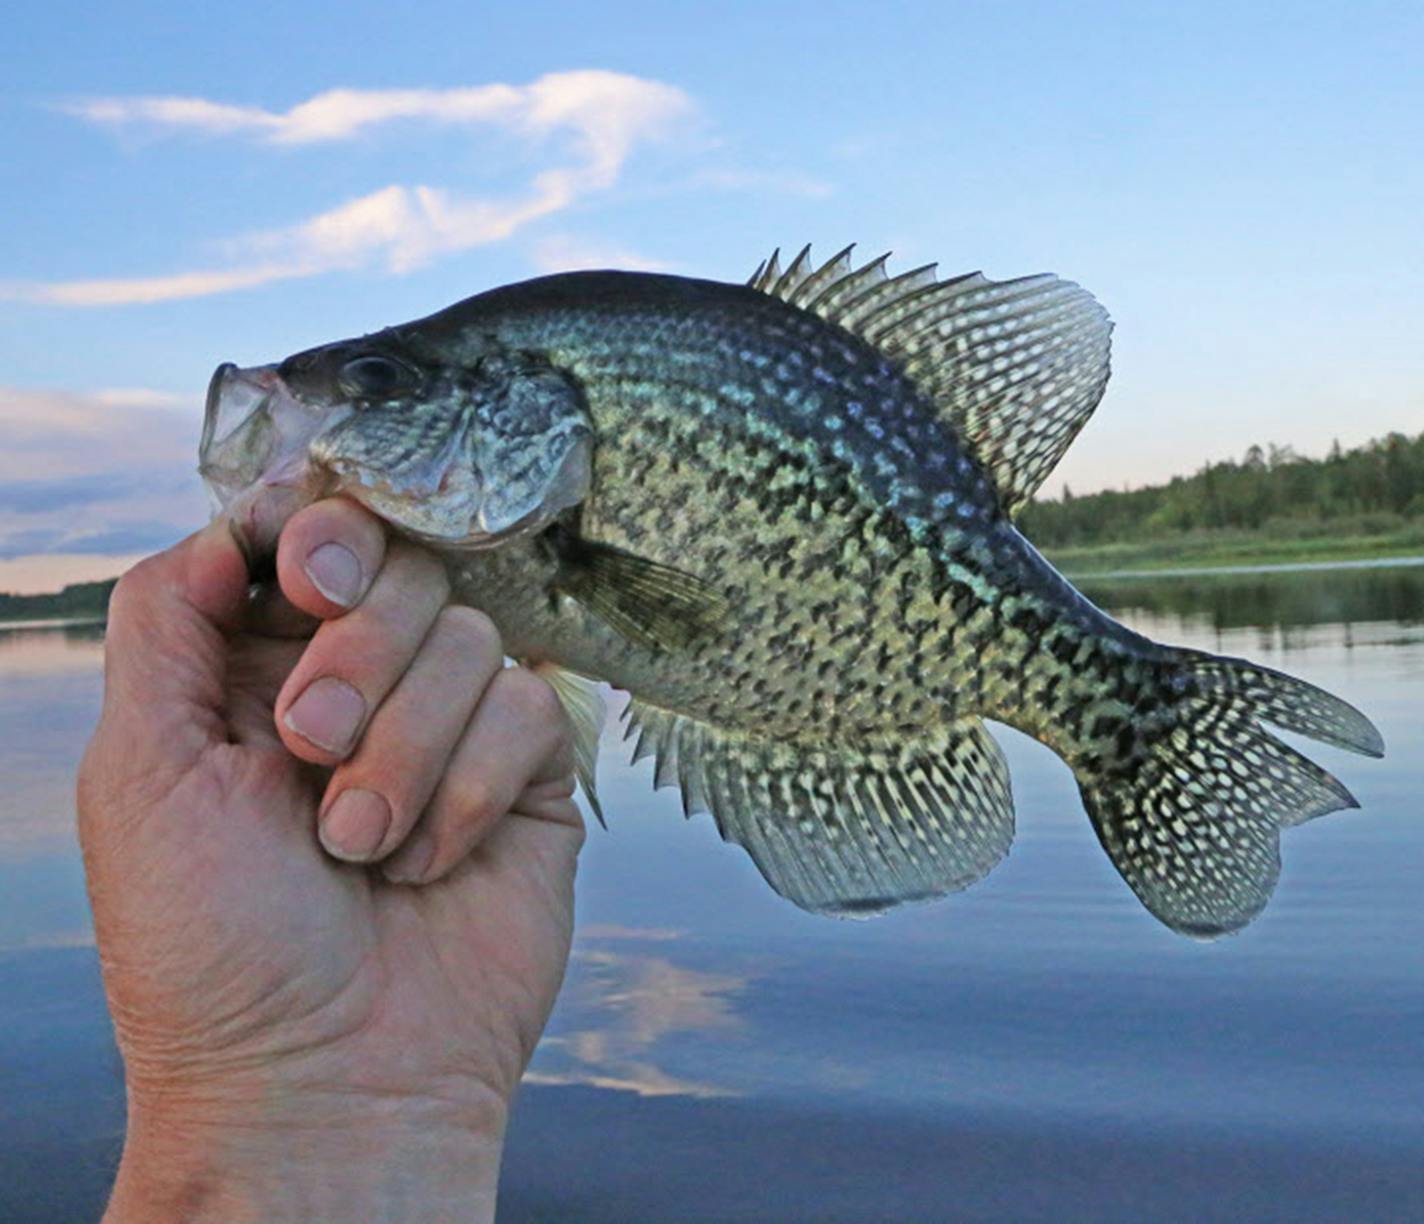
(569,253)
(212,117)
(85,475)
(141,397)
(142,290)
(611,109)
(53,432)
(406,227)
(601,115)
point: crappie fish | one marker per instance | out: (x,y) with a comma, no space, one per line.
(780,515)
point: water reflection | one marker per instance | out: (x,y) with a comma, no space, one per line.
(1036,1047)
(49,699)
(1271,600)
(619,1006)
(38,648)
(50,941)
(1340,619)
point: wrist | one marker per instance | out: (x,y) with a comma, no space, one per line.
(310,1157)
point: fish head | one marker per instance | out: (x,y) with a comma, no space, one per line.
(458,453)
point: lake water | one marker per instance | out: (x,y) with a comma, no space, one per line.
(1037,1048)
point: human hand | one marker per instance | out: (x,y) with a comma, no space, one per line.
(304,1038)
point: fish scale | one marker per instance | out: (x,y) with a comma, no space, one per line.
(753,492)
(781,517)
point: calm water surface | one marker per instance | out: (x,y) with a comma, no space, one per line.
(1035,1048)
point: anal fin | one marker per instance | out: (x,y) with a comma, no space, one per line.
(848,832)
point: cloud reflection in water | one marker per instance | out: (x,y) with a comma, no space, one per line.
(49,699)
(618,1006)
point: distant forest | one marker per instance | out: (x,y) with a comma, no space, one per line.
(1370,490)
(79,599)
(1367,489)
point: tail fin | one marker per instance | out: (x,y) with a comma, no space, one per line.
(1191,815)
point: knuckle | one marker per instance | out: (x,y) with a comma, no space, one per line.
(471,630)
(134,589)
(421,566)
(530,698)
(561,750)
(438,580)
(474,801)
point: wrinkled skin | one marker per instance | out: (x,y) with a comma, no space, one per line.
(286,1019)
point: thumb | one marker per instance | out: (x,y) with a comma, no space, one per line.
(166,650)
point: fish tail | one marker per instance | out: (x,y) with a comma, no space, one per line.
(1189,796)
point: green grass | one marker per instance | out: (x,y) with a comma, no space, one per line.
(1205,550)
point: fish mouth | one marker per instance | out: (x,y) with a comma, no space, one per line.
(237,441)
(235,396)
(253,454)
(267,451)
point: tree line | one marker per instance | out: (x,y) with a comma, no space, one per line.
(1369,488)
(78,599)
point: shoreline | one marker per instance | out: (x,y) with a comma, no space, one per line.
(1243,568)
(1167,569)
(8,624)
(1220,555)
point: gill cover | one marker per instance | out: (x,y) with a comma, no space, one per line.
(476,456)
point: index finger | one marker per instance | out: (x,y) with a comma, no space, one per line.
(165,648)
(328,555)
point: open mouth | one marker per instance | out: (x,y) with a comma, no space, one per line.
(235,397)
(254,453)
(238,434)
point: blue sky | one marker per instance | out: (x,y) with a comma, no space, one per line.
(1241,185)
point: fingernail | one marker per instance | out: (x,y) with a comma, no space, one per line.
(355,825)
(411,864)
(328,713)
(335,572)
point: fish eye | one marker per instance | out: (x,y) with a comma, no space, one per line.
(374,377)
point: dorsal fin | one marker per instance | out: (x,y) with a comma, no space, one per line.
(1015,367)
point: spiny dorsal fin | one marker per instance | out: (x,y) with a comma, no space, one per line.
(838,267)
(843,831)
(1015,367)
(768,272)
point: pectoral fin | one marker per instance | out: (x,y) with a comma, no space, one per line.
(583,703)
(654,605)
